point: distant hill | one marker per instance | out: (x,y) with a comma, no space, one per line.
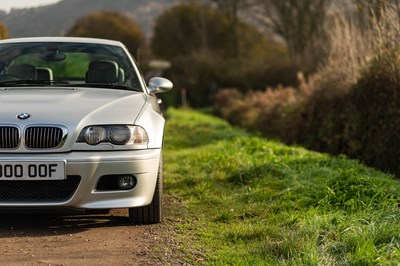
(57,19)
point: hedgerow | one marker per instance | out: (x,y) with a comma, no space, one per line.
(350,106)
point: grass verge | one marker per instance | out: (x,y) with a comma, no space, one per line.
(251,201)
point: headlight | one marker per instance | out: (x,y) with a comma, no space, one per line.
(94,135)
(120,135)
(116,134)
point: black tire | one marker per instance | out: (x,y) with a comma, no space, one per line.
(150,214)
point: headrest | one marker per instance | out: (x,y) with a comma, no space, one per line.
(44,73)
(102,72)
(23,71)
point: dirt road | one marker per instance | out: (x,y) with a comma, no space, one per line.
(91,239)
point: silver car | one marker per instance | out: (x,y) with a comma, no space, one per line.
(79,128)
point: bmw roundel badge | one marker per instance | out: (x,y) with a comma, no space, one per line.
(23,116)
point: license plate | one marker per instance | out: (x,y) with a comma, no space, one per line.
(32,170)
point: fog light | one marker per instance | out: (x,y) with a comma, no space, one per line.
(126,182)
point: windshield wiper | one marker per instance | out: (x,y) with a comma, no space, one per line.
(32,82)
(105,85)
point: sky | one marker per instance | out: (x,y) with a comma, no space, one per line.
(8,4)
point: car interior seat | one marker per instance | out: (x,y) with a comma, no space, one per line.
(105,71)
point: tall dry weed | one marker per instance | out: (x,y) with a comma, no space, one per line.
(331,113)
(352,45)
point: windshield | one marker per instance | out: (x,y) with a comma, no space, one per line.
(66,64)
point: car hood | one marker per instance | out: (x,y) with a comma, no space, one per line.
(72,108)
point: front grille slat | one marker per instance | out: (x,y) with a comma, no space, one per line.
(9,137)
(41,190)
(52,139)
(9,134)
(40,137)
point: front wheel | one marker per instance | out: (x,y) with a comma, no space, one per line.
(152,213)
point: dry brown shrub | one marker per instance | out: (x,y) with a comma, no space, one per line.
(259,110)
(230,104)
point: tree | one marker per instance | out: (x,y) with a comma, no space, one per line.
(3,31)
(299,22)
(189,29)
(231,8)
(205,55)
(110,25)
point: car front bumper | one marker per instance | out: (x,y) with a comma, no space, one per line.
(90,166)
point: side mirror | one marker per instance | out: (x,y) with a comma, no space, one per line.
(160,85)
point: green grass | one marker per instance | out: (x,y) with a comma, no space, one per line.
(251,201)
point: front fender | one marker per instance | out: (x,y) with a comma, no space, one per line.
(153,123)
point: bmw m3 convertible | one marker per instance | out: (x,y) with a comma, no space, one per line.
(79,128)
